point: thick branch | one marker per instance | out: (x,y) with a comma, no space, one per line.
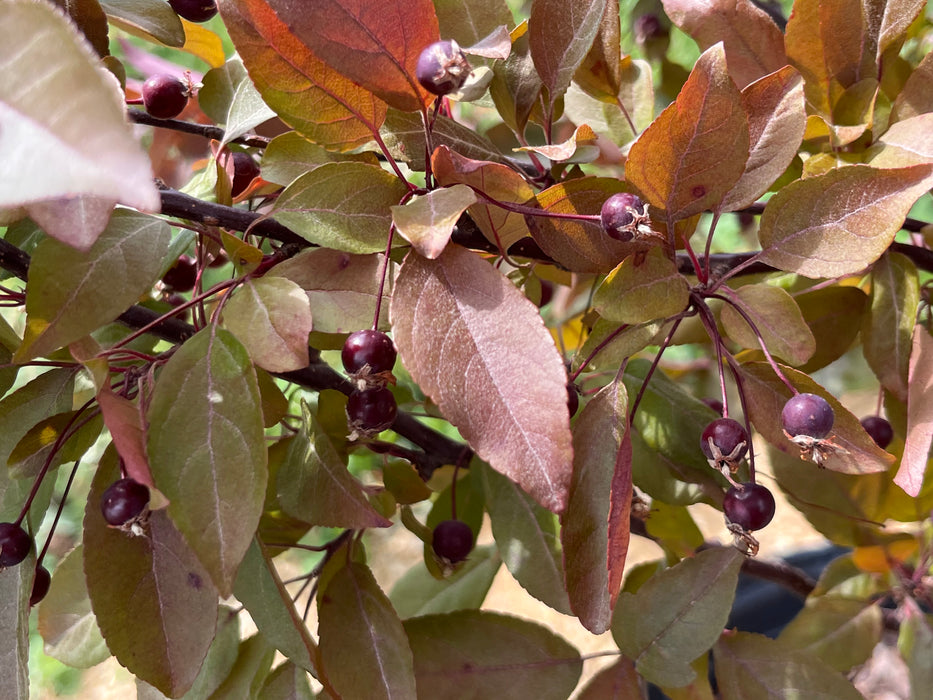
(208,131)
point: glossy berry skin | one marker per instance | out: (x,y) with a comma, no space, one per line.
(452,540)
(181,276)
(879,429)
(245,170)
(15,544)
(442,68)
(124,501)
(372,409)
(751,507)
(809,415)
(194,10)
(40,585)
(618,215)
(368,347)
(165,96)
(727,435)
(573,399)
(714,404)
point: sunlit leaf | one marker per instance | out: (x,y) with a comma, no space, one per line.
(154,601)
(456,321)
(572,148)
(753,666)
(469,23)
(404,135)
(247,111)
(919,413)
(917,96)
(72,293)
(906,142)
(753,43)
(612,351)
(677,615)
(146,18)
(290,155)
(777,319)
(69,138)
(364,649)
(600,73)
(838,223)
(478,654)
(695,151)
(642,288)
(47,395)
(207,451)
(344,206)
(428,221)
(77,221)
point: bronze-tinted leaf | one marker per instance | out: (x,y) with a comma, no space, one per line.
(917,96)
(642,288)
(404,134)
(919,414)
(376,45)
(777,319)
(832,313)
(838,223)
(753,42)
(307,94)
(427,221)
(124,421)
(479,349)
(695,151)
(516,83)
(620,681)
(600,74)
(470,23)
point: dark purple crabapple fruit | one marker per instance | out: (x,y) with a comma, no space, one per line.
(181,276)
(728,437)
(371,410)
(442,67)
(573,399)
(714,404)
(879,429)
(40,585)
(15,544)
(620,214)
(452,540)
(750,506)
(245,170)
(194,10)
(808,415)
(368,347)
(124,501)
(165,96)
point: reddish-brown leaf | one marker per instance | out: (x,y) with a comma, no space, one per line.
(121,416)
(695,151)
(374,44)
(478,348)
(777,117)
(620,509)
(917,95)
(754,44)
(600,74)
(919,414)
(307,94)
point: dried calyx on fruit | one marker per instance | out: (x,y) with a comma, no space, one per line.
(807,420)
(452,540)
(165,96)
(15,544)
(747,507)
(125,504)
(370,411)
(624,216)
(725,443)
(442,67)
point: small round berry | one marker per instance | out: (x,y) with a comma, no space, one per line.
(809,415)
(124,501)
(727,435)
(194,10)
(750,506)
(181,276)
(442,67)
(452,540)
(40,585)
(15,544)
(245,170)
(573,399)
(714,404)
(618,215)
(648,27)
(368,347)
(165,96)
(879,429)
(372,410)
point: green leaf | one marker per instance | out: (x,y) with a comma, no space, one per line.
(611,352)
(455,321)
(290,155)
(271,316)
(287,682)
(48,394)
(417,592)
(15,586)
(146,18)
(677,615)
(636,92)
(364,650)
(776,317)
(153,599)
(250,671)
(34,450)
(66,622)
(315,486)
(428,221)
(752,666)
(840,222)
(479,654)
(695,151)
(247,111)
(207,449)
(344,206)
(404,134)
(620,681)
(70,138)
(597,437)
(888,327)
(840,632)
(72,293)
(914,642)
(527,538)
(261,591)
(516,84)
(642,288)
(831,314)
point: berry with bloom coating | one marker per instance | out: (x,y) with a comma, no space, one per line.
(809,415)
(442,67)
(879,429)
(619,215)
